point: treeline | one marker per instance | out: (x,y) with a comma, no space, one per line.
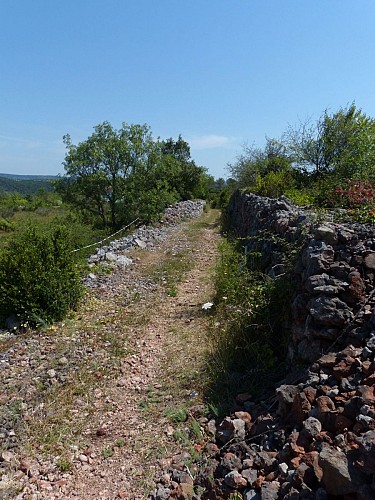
(328,163)
(23,186)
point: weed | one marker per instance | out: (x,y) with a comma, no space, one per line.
(181,436)
(120,443)
(64,465)
(107,452)
(176,415)
(196,430)
(248,327)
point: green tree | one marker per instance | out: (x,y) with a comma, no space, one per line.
(98,169)
(189,180)
(340,144)
(117,175)
(255,163)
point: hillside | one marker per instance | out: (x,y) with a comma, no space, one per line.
(24,184)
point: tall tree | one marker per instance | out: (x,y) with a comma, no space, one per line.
(340,143)
(98,168)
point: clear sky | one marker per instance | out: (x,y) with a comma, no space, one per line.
(219,72)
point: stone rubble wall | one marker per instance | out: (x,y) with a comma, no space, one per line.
(333,276)
(147,237)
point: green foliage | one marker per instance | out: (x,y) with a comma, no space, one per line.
(23,184)
(39,282)
(312,158)
(248,328)
(256,162)
(301,197)
(6,225)
(117,175)
(273,184)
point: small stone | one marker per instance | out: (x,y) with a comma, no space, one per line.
(83,458)
(283,468)
(51,373)
(235,480)
(270,490)
(251,495)
(250,475)
(7,456)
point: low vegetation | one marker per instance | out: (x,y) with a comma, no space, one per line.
(249,327)
(39,281)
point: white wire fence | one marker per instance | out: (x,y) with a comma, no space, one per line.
(100,243)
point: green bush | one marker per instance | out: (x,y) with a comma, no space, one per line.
(39,281)
(6,225)
(274,184)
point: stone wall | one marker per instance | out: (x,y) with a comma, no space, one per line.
(333,275)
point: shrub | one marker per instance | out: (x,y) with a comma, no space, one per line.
(274,184)
(6,225)
(39,281)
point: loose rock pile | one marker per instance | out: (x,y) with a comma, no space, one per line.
(147,237)
(316,438)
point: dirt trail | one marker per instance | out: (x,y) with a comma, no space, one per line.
(141,352)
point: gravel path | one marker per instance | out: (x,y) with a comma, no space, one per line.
(86,403)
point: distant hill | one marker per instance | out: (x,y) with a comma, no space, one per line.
(25,184)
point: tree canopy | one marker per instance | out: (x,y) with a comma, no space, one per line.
(116,175)
(318,155)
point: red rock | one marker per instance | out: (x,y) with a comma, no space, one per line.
(367,368)
(317,469)
(345,396)
(310,394)
(370,380)
(325,436)
(60,483)
(324,389)
(300,408)
(24,466)
(341,423)
(309,457)
(245,416)
(122,494)
(325,404)
(258,483)
(44,485)
(183,491)
(344,368)
(234,480)
(271,476)
(295,462)
(295,448)
(367,393)
(328,360)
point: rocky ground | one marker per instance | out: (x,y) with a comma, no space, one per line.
(91,408)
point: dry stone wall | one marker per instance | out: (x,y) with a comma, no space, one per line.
(333,275)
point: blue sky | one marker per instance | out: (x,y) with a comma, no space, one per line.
(220,73)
